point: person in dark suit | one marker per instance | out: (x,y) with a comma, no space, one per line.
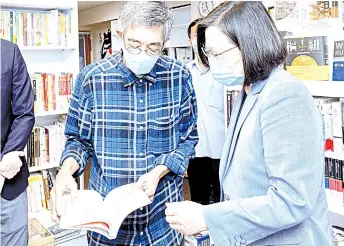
(17,121)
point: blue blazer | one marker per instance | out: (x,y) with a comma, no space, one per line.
(272,170)
(17,113)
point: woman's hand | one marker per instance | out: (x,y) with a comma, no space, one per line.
(186,217)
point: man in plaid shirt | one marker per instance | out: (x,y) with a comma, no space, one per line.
(134,115)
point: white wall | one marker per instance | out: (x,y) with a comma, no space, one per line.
(194,10)
(110,11)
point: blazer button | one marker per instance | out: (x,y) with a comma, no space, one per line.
(227,198)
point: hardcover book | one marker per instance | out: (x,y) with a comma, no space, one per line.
(307,57)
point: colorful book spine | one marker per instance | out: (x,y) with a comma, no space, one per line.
(327,183)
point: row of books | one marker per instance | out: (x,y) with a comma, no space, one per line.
(334,174)
(308,59)
(45,145)
(40,185)
(32,28)
(332,110)
(50,93)
(310,12)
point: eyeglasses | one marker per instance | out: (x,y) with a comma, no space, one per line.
(209,53)
(137,50)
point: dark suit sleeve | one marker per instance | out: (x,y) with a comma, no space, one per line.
(23,118)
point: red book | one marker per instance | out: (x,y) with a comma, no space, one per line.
(339,178)
(332,178)
(45,91)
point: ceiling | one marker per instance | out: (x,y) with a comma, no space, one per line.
(83,5)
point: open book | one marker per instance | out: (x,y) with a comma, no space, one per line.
(88,211)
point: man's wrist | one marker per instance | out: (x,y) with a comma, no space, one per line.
(160,171)
(70,166)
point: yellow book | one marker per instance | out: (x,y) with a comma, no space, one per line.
(45,28)
(62,29)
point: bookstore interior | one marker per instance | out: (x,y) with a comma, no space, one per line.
(57,38)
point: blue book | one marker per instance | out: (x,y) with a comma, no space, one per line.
(338,61)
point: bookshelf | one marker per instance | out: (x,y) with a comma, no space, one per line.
(43,167)
(333,30)
(51,55)
(50,113)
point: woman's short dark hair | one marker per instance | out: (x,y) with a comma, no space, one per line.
(251,28)
(192,24)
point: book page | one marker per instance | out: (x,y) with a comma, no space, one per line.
(85,208)
(120,202)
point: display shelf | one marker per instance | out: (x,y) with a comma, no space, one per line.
(44,217)
(43,167)
(39,4)
(47,48)
(335,202)
(325,88)
(335,155)
(50,113)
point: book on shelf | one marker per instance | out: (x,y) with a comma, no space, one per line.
(305,14)
(39,191)
(36,28)
(329,110)
(334,175)
(90,212)
(38,234)
(307,57)
(63,235)
(51,92)
(338,61)
(45,145)
(231,97)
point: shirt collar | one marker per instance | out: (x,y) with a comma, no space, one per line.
(130,78)
(195,65)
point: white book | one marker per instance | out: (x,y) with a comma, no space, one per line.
(20,34)
(90,212)
(53,27)
(337,120)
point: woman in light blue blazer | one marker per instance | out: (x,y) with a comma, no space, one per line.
(272,166)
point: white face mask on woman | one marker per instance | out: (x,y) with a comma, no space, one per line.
(225,64)
(223,72)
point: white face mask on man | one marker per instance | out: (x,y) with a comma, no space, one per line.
(139,64)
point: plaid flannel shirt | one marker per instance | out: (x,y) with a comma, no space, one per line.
(127,126)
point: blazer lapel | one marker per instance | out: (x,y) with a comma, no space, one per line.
(235,130)
(229,136)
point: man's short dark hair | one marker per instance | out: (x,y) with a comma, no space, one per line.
(192,24)
(251,28)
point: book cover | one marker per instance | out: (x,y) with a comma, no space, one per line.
(34,90)
(21,28)
(39,235)
(11,27)
(45,29)
(332,175)
(307,57)
(327,184)
(338,61)
(339,176)
(62,24)
(25,27)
